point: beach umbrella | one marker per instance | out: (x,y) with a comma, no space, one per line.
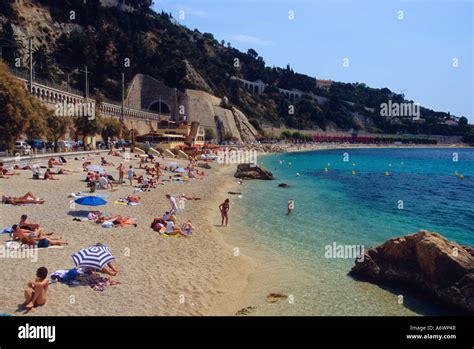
(96,168)
(95,256)
(90,201)
(180,170)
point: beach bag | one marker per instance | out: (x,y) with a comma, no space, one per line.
(70,275)
(107,224)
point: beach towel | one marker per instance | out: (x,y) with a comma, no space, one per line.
(101,284)
(12,245)
(123,201)
(7,230)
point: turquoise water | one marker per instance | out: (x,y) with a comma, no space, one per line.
(365,208)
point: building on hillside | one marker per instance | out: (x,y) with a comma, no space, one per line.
(170,135)
(323,84)
(123,5)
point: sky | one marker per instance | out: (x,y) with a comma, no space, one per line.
(423,49)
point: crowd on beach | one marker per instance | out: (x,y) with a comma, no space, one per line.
(142,173)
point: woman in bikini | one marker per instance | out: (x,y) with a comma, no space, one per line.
(28,198)
(224,207)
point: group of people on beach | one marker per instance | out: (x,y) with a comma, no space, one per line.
(167,223)
(33,235)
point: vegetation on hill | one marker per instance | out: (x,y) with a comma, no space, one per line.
(110,41)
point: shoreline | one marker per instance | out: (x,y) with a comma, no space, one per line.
(261,281)
(203,268)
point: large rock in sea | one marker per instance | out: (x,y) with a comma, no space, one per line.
(248,171)
(424,261)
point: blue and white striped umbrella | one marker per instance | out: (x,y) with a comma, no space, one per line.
(95,256)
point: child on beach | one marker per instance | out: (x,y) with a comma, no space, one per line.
(36,293)
(130,174)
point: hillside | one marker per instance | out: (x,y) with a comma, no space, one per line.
(71,34)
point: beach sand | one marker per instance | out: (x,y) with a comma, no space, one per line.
(200,275)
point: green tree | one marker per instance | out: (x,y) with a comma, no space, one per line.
(111,128)
(469,136)
(20,112)
(37,126)
(57,126)
(463,121)
(286,135)
(43,62)
(90,125)
(209,134)
(8,44)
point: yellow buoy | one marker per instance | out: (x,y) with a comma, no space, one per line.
(353,172)
(461,177)
(386,173)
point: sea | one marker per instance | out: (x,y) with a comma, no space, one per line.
(347,200)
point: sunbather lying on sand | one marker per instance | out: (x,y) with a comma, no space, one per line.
(171,229)
(118,221)
(183,196)
(42,242)
(28,198)
(4,173)
(17,167)
(109,269)
(131,198)
(105,162)
(19,233)
(64,171)
(36,293)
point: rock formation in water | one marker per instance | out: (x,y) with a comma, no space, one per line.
(424,261)
(247,171)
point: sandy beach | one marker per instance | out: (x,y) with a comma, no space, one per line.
(216,271)
(158,275)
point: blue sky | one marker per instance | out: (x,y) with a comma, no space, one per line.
(413,55)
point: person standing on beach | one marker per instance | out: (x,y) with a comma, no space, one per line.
(121,170)
(291,206)
(224,208)
(172,200)
(130,174)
